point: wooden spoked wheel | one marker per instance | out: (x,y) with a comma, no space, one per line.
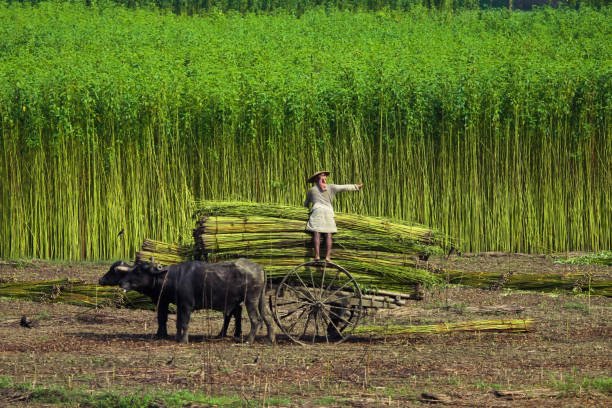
(317,302)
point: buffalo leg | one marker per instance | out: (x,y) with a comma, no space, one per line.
(162,320)
(263,312)
(335,325)
(183,313)
(237,321)
(236,313)
(340,317)
(226,322)
(252,309)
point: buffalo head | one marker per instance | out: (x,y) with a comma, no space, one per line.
(116,272)
(142,278)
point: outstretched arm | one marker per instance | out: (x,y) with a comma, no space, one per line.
(338,188)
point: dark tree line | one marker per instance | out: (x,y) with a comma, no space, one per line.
(191,7)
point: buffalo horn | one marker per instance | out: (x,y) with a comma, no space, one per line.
(157,265)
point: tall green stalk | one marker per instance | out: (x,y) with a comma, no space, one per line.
(490,126)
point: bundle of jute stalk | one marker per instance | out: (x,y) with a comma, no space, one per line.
(512,326)
(164,253)
(373,273)
(572,282)
(262,218)
(380,253)
(74,292)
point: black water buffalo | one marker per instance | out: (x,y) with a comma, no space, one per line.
(114,274)
(197,285)
(119,270)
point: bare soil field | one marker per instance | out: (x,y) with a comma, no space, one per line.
(77,356)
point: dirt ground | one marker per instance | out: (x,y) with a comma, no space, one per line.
(564,361)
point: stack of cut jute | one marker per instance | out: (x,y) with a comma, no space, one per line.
(164,253)
(380,253)
(499,325)
(74,292)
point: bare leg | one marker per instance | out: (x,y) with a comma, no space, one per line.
(316,240)
(328,242)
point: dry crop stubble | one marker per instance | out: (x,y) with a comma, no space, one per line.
(113,350)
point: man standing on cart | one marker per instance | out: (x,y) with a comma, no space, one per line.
(321,221)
